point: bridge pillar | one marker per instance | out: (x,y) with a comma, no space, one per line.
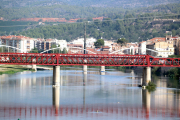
(146,76)
(56,75)
(102,69)
(34,67)
(85,69)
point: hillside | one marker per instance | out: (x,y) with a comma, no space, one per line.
(72,12)
(135,25)
(133,30)
(89,3)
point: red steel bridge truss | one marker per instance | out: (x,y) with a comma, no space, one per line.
(87,59)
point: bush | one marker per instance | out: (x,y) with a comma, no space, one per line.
(151,87)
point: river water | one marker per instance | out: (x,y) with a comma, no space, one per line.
(115,95)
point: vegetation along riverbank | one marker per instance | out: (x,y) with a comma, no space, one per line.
(11,69)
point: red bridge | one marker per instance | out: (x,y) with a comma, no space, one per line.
(87,59)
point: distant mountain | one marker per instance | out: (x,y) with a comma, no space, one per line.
(118,3)
(92,3)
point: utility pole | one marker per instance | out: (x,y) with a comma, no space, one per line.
(85,38)
(85,61)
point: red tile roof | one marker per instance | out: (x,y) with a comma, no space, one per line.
(105,47)
(158,39)
(15,37)
(75,45)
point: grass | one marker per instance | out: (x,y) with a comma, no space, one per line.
(11,69)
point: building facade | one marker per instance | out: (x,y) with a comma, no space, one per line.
(161,49)
(21,43)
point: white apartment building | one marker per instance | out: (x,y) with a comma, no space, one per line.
(89,42)
(142,48)
(24,44)
(109,44)
(62,43)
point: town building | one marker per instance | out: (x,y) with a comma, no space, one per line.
(89,42)
(22,43)
(62,44)
(142,48)
(44,44)
(109,44)
(131,48)
(39,44)
(75,48)
(161,48)
(175,41)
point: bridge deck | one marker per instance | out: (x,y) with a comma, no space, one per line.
(87,59)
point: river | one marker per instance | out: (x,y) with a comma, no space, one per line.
(115,95)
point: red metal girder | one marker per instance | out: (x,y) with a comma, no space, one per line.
(87,59)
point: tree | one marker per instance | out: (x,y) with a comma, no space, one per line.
(64,51)
(35,50)
(122,41)
(99,43)
(55,50)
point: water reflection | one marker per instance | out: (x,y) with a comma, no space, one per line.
(84,89)
(85,96)
(146,101)
(56,98)
(102,73)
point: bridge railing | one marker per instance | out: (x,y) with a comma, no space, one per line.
(87,59)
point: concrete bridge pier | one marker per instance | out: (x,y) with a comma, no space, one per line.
(56,75)
(34,65)
(146,76)
(102,70)
(34,68)
(85,69)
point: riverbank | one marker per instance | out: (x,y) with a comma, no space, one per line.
(11,69)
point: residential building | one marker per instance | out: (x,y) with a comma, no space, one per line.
(49,43)
(62,44)
(89,42)
(39,44)
(142,48)
(75,48)
(98,50)
(131,48)
(109,44)
(105,48)
(175,41)
(156,39)
(116,48)
(161,48)
(44,44)
(22,43)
